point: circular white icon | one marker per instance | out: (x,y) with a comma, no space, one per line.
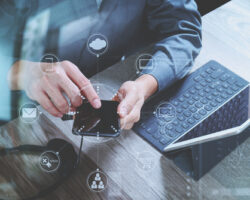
(49,161)
(97,181)
(145,62)
(97,44)
(29,112)
(165,112)
(145,161)
(48,63)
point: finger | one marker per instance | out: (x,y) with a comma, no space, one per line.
(45,102)
(127,103)
(58,99)
(89,92)
(133,116)
(71,90)
(83,83)
(128,126)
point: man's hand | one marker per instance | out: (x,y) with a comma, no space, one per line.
(48,88)
(132,96)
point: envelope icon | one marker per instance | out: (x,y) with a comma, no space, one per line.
(29,113)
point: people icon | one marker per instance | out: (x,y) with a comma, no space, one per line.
(97,177)
(97,181)
(94,185)
(101,185)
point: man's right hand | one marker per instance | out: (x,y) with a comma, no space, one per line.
(48,88)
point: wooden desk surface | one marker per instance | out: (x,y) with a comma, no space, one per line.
(225,39)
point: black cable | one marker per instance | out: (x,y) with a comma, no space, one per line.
(79,154)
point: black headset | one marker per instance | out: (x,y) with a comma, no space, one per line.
(69,161)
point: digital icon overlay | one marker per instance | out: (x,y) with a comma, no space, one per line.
(97,44)
(145,62)
(48,63)
(97,181)
(145,161)
(29,112)
(49,161)
(165,111)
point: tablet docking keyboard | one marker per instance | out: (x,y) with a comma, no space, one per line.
(208,100)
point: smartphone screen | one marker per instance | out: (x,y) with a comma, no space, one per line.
(93,122)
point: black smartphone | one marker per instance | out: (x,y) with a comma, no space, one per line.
(103,122)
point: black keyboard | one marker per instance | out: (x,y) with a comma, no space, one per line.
(209,100)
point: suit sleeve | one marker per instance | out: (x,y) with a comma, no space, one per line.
(176,24)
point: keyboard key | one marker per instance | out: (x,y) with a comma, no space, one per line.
(231,80)
(212,85)
(169,126)
(181,99)
(203,83)
(157,136)
(201,93)
(181,118)
(179,110)
(217,73)
(202,112)
(192,91)
(175,123)
(203,74)
(187,113)
(215,93)
(187,95)
(143,125)
(198,87)
(219,89)
(152,129)
(209,70)
(218,99)
(193,109)
(207,90)
(179,130)
(209,97)
(164,141)
(234,88)
(224,95)
(225,85)
(204,101)
(190,120)
(214,104)
(225,77)
(175,103)
(184,105)
(239,84)
(184,125)
(198,105)
(198,78)
(196,116)
(229,91)
(196,98)
(171,134)
(191,102)
(213,67)
(208,108)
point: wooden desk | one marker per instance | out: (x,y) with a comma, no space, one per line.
(225,39)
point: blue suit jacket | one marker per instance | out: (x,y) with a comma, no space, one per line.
(173,26)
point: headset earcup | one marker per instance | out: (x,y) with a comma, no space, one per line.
(67,154)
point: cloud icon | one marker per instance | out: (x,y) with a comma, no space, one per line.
(98,44)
